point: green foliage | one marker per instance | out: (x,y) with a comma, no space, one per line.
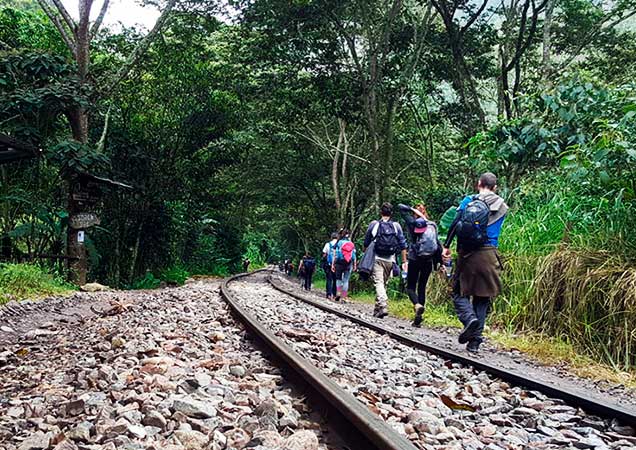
(147,282)
(587,128)
(21,281)
(74,157)
(175,275)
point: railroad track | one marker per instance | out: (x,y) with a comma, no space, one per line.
(396,392)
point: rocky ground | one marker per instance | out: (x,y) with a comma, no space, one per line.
(436,404)
(509,360)
(165,370)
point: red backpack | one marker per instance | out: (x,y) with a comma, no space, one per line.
(345,252)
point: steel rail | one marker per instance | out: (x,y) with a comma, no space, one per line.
(589,404)
(374,431)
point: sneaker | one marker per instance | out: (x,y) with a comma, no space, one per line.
(337,298)
(473,346)
(382,313)
(468,331)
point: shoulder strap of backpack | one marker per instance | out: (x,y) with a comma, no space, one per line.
(376,227)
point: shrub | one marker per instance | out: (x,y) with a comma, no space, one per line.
(149,281)
(28,281)
(175,274)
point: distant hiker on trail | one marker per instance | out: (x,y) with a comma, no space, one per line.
(327,260)
(477,226)
(289,270)
(344,262)
(425,251)
(389,239)
(246,264)
(307,267)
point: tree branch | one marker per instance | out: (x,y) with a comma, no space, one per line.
(65,15)
(521,48)
(68,40)
(350,44)
(592,34)
(100,18)
(141,48)
(472,20)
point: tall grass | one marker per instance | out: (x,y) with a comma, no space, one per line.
(20,281)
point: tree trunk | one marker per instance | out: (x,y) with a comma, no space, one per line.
(466,88)
(546,63)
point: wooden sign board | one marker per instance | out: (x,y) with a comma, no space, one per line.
(83,220)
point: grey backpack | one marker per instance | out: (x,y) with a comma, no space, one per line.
(426,244)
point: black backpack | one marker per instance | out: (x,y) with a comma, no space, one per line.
(386,239)
(309,264)
(473,224)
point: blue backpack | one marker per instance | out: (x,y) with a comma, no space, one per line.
(330,252)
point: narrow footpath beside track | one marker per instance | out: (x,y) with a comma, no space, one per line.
(431,401)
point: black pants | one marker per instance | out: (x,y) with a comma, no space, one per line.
(309,274)
(467,311)
(330,278)
(417,278)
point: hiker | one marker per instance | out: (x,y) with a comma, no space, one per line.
(388,239)
(246,264)
(327,260)
(290,268)
(425,252)
(344,262)
(477,226)
(307,267)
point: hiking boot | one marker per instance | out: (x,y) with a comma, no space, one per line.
(419,312)
(473,346)
(468,331)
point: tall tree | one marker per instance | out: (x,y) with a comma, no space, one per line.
(78,36)
(459,17)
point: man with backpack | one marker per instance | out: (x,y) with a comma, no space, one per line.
(307,267)
(344,263)
(425,251)
(388,239)
(327,260)
(477,227)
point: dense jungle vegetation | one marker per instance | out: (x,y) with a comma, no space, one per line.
(257,136)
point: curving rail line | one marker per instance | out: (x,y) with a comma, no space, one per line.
(588,404)
(371,432)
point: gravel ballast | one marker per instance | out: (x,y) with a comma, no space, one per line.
(436,404)
(166,370)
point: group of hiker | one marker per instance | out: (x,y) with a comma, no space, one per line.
(475,280)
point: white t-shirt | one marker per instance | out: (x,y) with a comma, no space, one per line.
(331,243)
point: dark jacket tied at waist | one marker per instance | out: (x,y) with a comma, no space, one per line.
(478,272)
